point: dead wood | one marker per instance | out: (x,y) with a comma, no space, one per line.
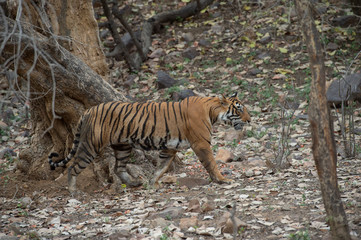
(323,142)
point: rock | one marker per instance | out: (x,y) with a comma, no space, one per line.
(169,179)
(208,206)
(177,96)
(224,155)
(159,222)
(7,115)
(249,173)
(119,235)
(255,71)
(331,46)
(188,37)
(164,80)
(194,206)
(223,219)
(266,39)
(190,53)
(229,226)
(55,221)
(204,43)
(159,52)
(192,182)
(217,29)
(348,88)
(168,213)
(263,55)
(25,202)
(130,81)
(186,223)
(345,21)
(73,202)
(216,14)
(3,125)
(7,152)
(233,136)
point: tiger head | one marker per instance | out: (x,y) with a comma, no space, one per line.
(236,114)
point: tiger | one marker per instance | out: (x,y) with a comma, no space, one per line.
(165,126)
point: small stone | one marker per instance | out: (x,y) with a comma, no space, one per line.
(168,213)
(55,221)
(190,53)
(73,202)
(345,21)
(169,179)
(130,81)
(249,173)
(3,125)
(257,173)
(331,46)
(192,182)
(177,96)
(159,222)
(263,55)
(159,52)
(194,206)
(186,223)
(204,43)
(164,80)
(217,29)
(188,37)
(25,201)
(224,155)
(228,228)
(208,206)
(266,39)
(255,71)
(223,219)
(7,152)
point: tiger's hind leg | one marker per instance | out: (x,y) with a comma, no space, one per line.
(83,157)
(166,157)
(122,154)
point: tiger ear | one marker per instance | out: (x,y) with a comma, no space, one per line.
(224,101)
(234,94)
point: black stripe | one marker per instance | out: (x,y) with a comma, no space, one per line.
(84,160)
(131,120)
(145,125)
(168,110)
(180,111)
(179,138)
(123,120)
(206,124)
(116,122)
(122,158)
(175,115)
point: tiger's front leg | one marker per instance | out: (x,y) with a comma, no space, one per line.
(204,153)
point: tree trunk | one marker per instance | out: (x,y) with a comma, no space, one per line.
(60,86)
(323,143)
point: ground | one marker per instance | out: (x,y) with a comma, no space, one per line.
(254,50)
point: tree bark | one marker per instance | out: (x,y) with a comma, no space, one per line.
(60,86)
(323,143)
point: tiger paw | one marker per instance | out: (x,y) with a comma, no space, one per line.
(129,181)
(224,180)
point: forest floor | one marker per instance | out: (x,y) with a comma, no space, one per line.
(254,50)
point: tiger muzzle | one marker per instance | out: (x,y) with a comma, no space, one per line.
(238,125)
